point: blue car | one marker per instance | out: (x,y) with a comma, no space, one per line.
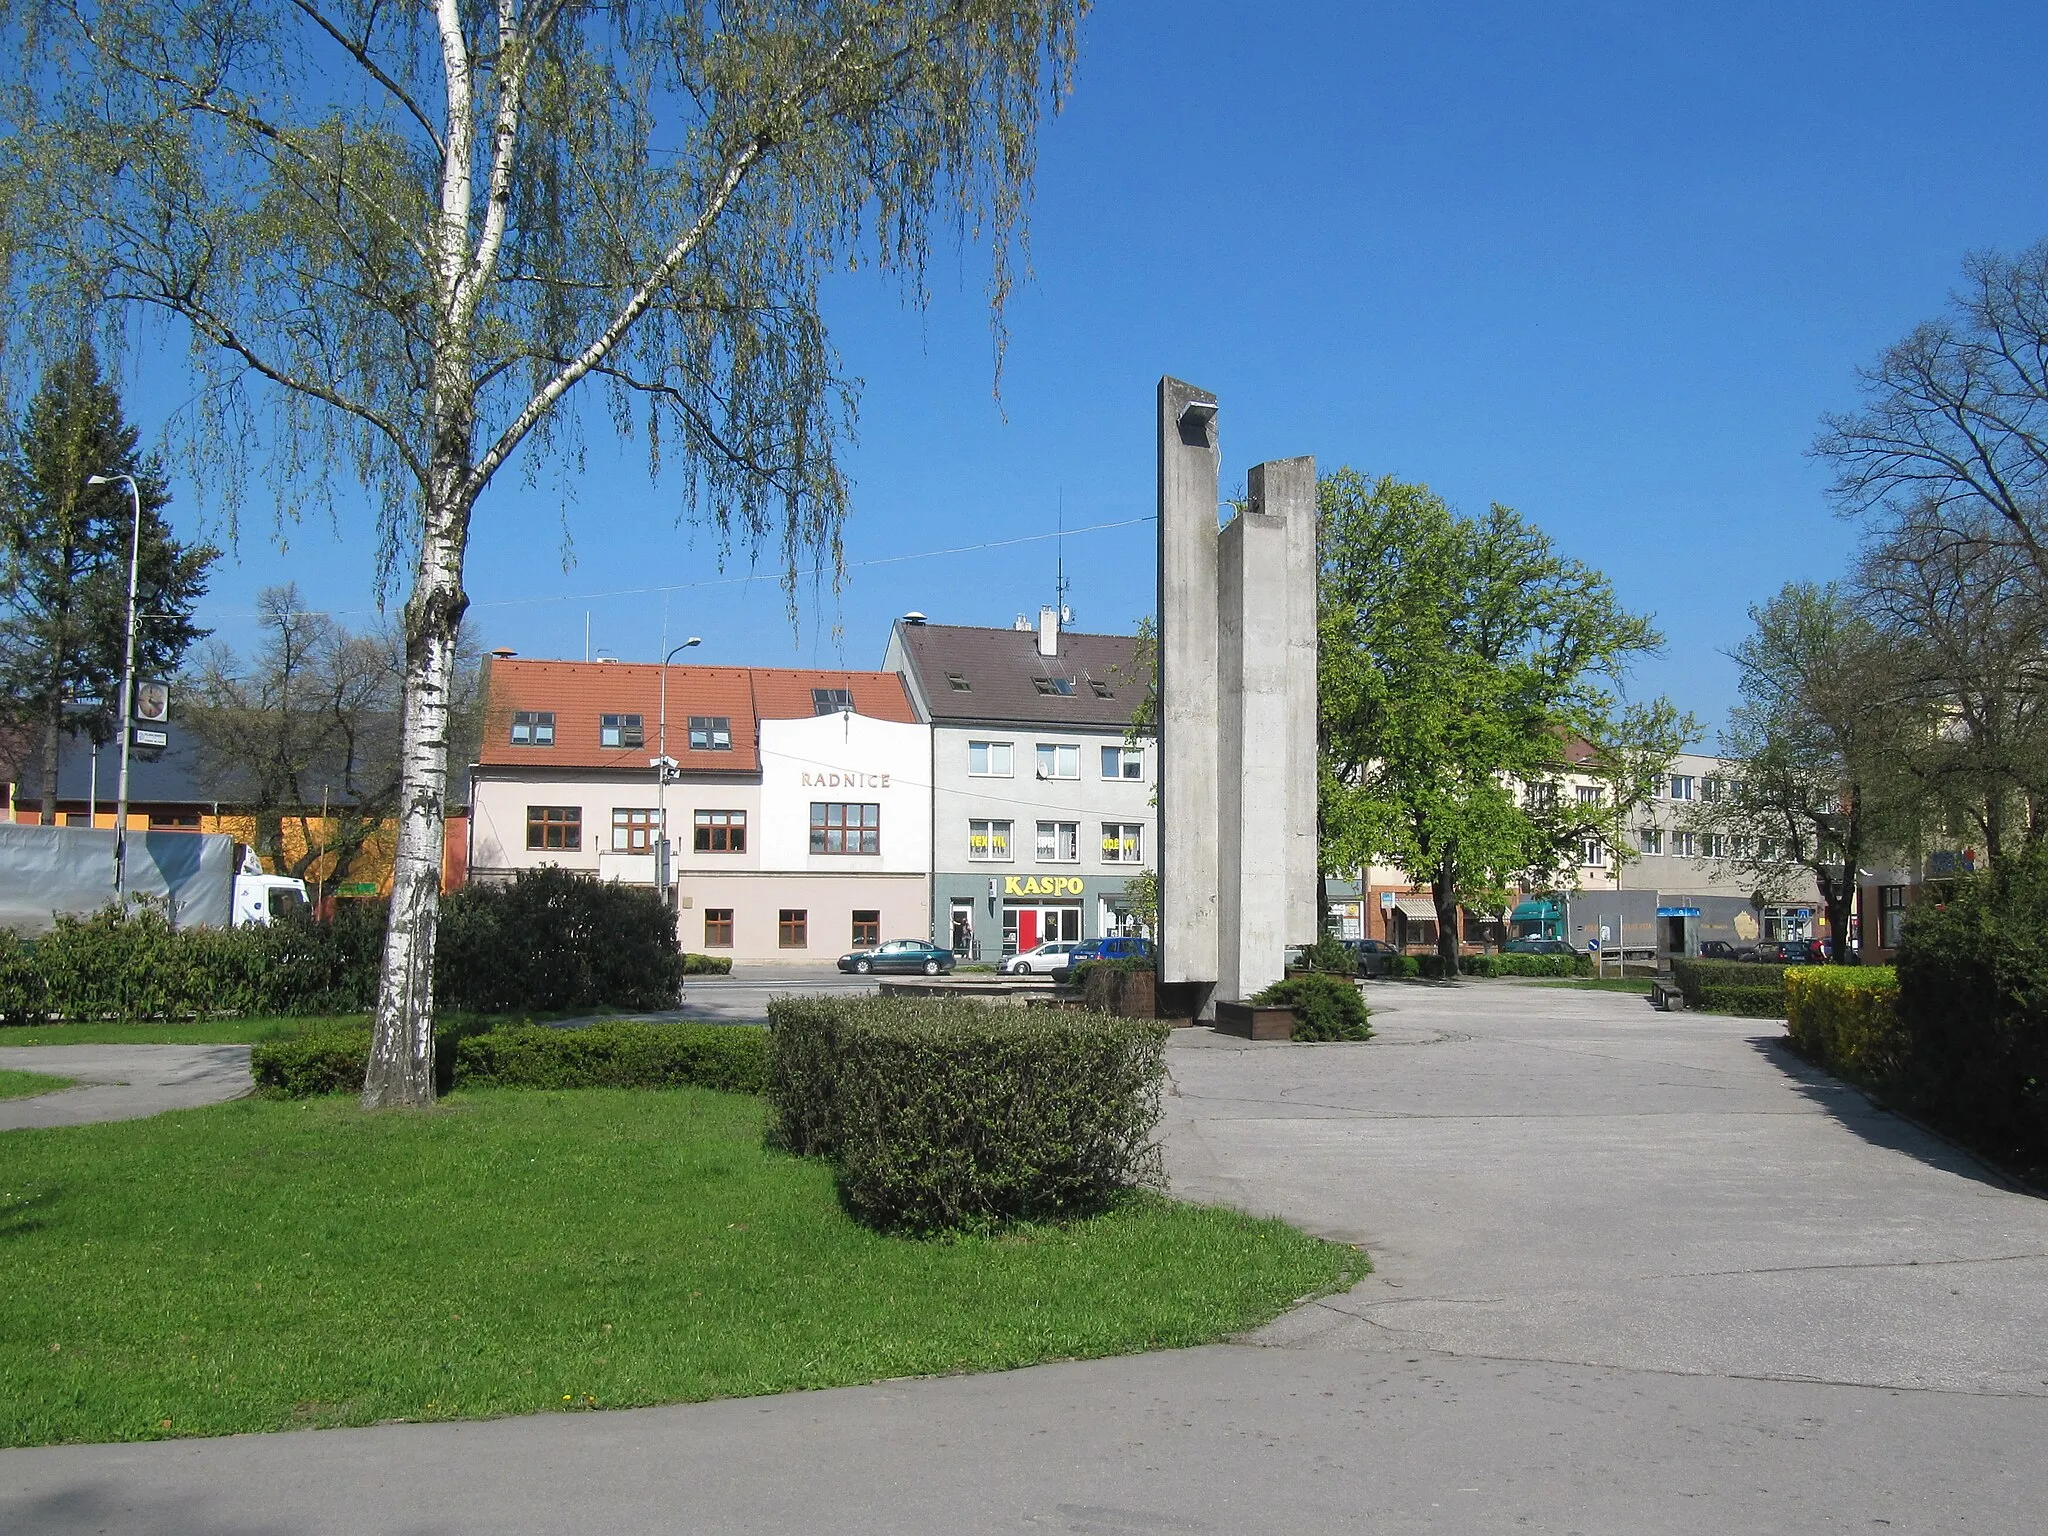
(1109,949)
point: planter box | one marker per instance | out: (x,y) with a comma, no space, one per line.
(1126,994)
(1255,1023)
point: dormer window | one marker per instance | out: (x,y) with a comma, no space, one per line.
(831,701)
(1057,687)
(1102,689)
(533,728)
(959,682)
(621,731)
(710,733)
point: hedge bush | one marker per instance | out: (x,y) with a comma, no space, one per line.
(1325,1007)
(1328,954)
(707,965)
(1738,987)
(551,940)
(469,1052)
(945,1113)
(730,1057)
(1973,1009)
(1526,965)
(1845,1018)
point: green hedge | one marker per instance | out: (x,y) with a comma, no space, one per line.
(1846,1018)
(943,1113)
(731,1057)
(547,941)
(1973,1009)
(470,1053)
(707,965)
(1325,1007)
(1739,987)
(1526,965)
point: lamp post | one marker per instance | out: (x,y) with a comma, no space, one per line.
(127,686)
(663,767)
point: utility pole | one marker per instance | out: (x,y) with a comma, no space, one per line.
(127,689)
(663,767)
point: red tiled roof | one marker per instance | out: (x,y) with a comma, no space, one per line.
(578,692)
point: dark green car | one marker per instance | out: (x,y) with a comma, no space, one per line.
(899,955)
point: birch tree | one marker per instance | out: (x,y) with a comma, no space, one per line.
(399,238)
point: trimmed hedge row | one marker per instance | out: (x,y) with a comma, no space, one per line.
(1738,987)
(471,1054)
(707,965)
(1846,1018)
(945,1113)
(1325,1007)
(1526,965)
(546,941)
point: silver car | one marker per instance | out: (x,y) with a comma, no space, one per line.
(1041,961)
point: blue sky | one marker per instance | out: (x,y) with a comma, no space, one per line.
(1606,263)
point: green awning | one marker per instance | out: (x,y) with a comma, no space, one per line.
(1540,910)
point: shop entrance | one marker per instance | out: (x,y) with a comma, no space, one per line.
(1028,927)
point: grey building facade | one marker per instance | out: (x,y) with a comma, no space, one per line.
(1042,810)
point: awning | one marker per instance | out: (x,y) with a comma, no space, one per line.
(1417,908)
(1541,909)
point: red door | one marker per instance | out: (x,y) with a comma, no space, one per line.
(1027,930)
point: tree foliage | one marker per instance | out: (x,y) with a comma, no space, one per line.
(64,580)
(402,235)
(1466,667)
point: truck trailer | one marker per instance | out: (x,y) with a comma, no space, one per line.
(201,879)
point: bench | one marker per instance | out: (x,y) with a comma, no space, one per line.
(1664,994)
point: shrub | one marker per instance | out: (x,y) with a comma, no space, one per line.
(731,1057)
(1732,986)
(947,1113)
(1845,1018)
(550,940)
(1325,1007)
(1329,955)
(1526,965)
(707,965)
(1973,1009)
(334,1060)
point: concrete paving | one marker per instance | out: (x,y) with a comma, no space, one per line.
(123,1082)
(1636,1273)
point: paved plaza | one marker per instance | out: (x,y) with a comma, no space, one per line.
(1636,1273)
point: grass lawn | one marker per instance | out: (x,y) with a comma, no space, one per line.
(266,1265)
(23,1085)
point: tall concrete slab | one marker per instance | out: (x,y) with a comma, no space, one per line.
(1254,750)
(1289,487)
(1189,464)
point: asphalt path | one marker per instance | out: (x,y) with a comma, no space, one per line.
(1636,1273)
(122,1082)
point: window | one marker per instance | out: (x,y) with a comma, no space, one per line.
(718,927)
(867,928)
(1891,907)
(1682,786)
(1542,796)
(1059,842)
(1711,790)
(959,682)
(837,827)
(621,731)
(1651,839)
(1714,846)
(1054,687)
(554,826)
(792,928)
(720,831)
(1101,689)
(830,701)
(710,733)
(633,831)
(533,728)
(157,819)
(1056,762)
(1738,847)
(990,759)
(1123,842)
(988,839)
(1593,853)
(1122,763)
(1684,844)
(1591,794)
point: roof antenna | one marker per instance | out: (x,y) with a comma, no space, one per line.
(1059,577)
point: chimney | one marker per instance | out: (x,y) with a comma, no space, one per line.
(1048,631)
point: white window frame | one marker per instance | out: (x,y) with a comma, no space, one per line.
(1123,842)
(989,751)
(1123,763)
(988,824)
(1652,839)
(1056,752)
(1683,786)
(1059,842)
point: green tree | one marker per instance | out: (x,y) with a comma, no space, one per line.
(412,232)
(64,582)
(1466,668)
(1818,741)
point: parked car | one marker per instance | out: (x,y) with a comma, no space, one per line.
(1042,961)
(1107,949)
(1537,947)
(899,955)
(1375,957)
(1790,952)
(1721,949)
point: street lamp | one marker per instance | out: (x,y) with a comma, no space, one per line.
(127,686)
(663,766)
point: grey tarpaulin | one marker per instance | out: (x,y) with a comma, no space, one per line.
(46,870)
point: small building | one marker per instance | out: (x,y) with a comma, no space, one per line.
(800,800)
(1042,807)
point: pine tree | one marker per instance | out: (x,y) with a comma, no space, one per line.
(64,582)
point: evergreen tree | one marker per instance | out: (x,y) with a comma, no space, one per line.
(64,583)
